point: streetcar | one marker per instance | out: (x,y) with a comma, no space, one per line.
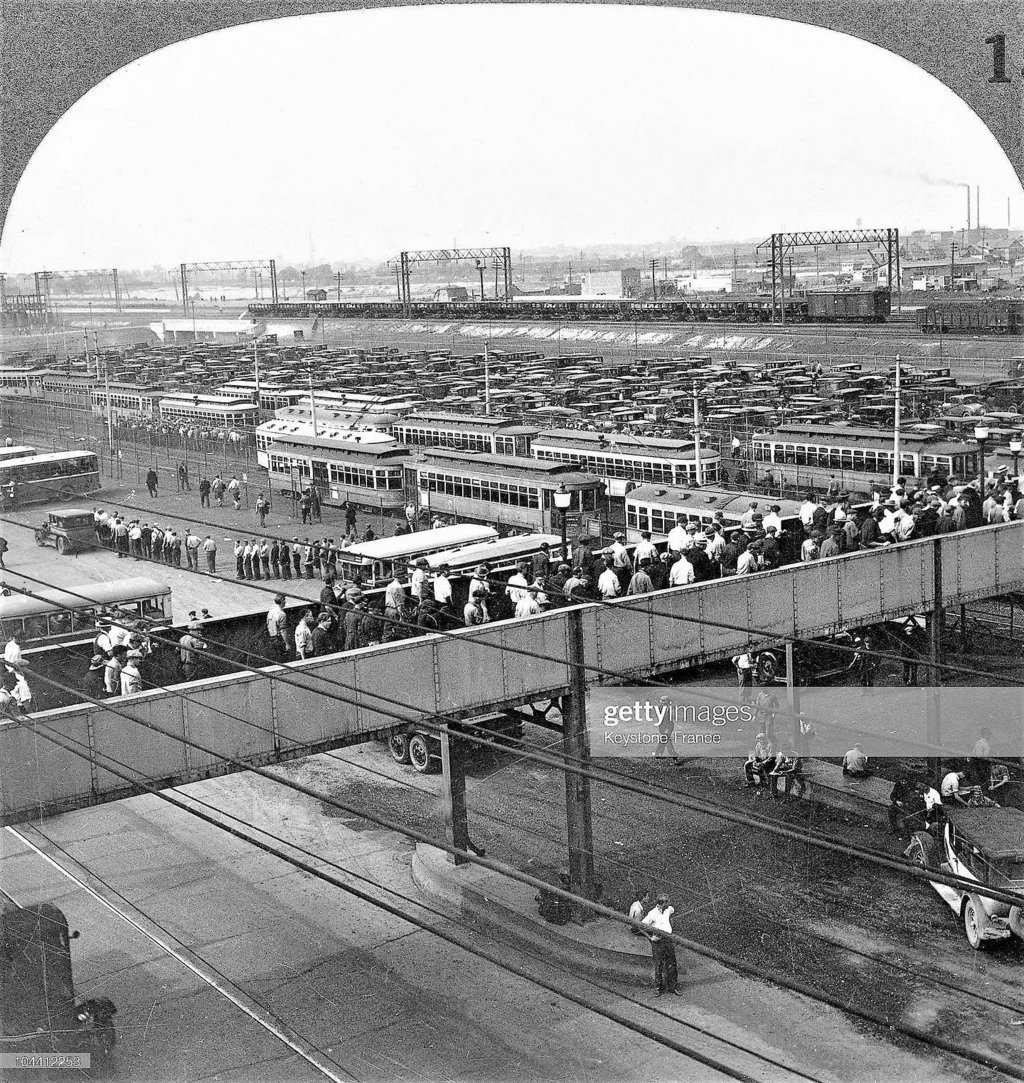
(378,561)
(42,477)
(658,508)
(17,451)
(497,553)
(808,456)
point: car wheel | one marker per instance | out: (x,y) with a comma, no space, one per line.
(63,546)
(398,746)
(419,754)
(767,668)
(972,926)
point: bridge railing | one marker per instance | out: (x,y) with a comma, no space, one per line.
(289,711)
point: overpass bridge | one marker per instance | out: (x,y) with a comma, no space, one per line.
(229,723)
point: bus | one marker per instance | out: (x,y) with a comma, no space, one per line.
(64,614)
(377,561)
(42,477)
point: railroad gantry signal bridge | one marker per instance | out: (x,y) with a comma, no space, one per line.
(44,290)
(228,265)
(779,244)
(403,262)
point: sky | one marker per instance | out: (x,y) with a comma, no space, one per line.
(352,136)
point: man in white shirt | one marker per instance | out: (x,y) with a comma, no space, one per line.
(608,582)
(932,804)
(131,678)
(949,790)
(773,519)
(681,573)
(640,909)
(716,543)
(666,971)
(747,518)
(807,510)
(645,548)
(443,587)
(277,627)
(528,605)
(746,564)
(420,580)
(855,763)
(677,535)
(135,539)
(479,582)
(517,585)
(12,652)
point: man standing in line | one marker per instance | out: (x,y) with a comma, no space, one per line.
(297,558)
(666,970)
(239,560)
(277,628)
(210,549)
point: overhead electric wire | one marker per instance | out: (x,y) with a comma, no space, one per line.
(394,911)
(580,768)
(737,964)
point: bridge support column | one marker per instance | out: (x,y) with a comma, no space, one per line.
(578,819)
(793,699)
(935,623)
(456,820)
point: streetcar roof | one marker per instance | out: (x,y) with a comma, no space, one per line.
(703,501)
(420,541)
(46,457)
(493,551)
(81,596)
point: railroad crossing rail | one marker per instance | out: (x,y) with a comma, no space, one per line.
(285,712)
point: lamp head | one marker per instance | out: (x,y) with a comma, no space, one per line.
(981,432)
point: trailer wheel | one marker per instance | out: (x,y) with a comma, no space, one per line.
(419,754)
(398,746)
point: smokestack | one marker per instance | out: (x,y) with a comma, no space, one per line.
(968,187)
(977,207)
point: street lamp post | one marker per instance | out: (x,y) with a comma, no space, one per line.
(981,435)
(563,501)
(480,268)
(303,273)
(1016,447)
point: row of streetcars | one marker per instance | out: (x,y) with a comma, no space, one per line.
(844,306)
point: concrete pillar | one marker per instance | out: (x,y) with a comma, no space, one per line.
(578,818)
(456,820)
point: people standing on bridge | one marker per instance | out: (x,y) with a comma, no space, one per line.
(529,605)
(443,590)
(475,610)
(277,629)
(621,561)
(304,636)
(152,481)
(810,550)
(832,546)
(353,622)
(540,562)
(323,635)
(608,585)
(112,672)
(210,552)
(666,968)
(807,510)
(262,509)
(204,492)
(480,581)
(641,582)
(645,548)
(191,648)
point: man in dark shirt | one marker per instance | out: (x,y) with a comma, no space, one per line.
(323,638)
(285,556)
(832,545)
(870,534)
(730,555)
(353,622)
(275,559)
(769,550)
(703,567)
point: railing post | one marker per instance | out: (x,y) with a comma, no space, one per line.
(578,820)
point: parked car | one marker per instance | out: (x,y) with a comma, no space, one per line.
(421,748)
(818,660)
(985,845)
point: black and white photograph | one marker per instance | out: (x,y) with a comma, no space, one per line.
(512,541)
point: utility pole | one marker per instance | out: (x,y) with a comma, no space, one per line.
(952,264)
(896,425)
(339,284)
(654,283)
(697,465)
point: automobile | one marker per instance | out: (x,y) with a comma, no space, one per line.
(815,660)
(985,845)
(421,748)
(71,530)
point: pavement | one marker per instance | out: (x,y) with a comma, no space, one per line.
(226,962)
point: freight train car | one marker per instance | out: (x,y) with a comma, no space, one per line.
(973,317)
(852,306)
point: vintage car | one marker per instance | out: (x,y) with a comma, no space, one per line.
(71,531)
(985,845)
(832,658)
